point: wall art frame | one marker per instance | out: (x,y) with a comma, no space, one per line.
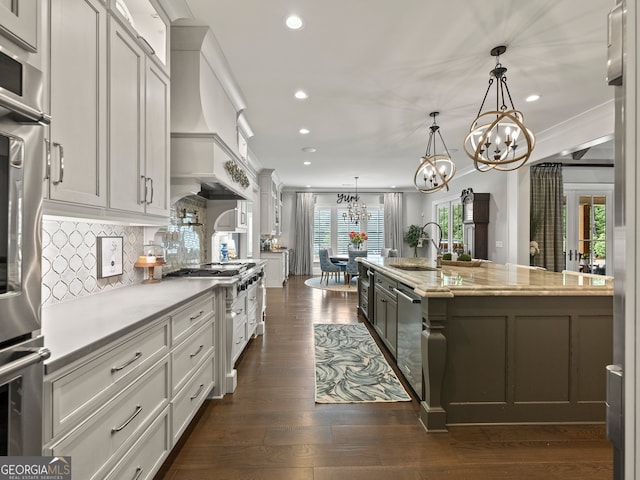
(109,256)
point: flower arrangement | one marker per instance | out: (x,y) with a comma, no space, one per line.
(357,238)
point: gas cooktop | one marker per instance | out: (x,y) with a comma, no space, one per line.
(213,269)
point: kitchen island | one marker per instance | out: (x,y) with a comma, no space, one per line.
(506,343)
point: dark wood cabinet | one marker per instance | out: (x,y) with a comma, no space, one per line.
(475,219)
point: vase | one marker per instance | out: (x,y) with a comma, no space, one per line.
(224,253)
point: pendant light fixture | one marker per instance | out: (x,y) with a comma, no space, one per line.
(498,139)
(356,212)
(436,169)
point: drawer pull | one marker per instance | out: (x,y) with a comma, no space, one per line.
(126,364)
(196,316)
(197,352)
(197,394)
(128,421)
(240,340)
(138,473)
(238,312)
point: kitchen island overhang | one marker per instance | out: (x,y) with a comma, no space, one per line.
(509,344)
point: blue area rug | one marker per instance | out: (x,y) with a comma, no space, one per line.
(351,368)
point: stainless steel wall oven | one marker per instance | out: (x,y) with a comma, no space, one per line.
(21,171)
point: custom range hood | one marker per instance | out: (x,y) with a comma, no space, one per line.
(208,128)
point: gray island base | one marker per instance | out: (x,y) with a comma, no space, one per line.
(504,344)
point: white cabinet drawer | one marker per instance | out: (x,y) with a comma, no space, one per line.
(185,321)
(187,356)
(239,339)
(82,390)
(191,397)
(147,454)
(115,427)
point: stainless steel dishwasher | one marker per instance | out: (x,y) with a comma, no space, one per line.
(409,357)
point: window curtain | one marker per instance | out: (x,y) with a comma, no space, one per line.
(303,237)
(393,221)
(546,216)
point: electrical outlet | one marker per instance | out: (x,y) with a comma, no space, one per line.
(498,243)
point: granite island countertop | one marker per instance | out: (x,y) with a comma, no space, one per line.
(488,279)
(78,327)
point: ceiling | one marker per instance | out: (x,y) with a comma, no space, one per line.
(375,69)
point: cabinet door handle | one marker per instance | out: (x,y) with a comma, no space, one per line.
(61,175)
(149,47)
(137,473)
(412,300)
(47,174)
(196,316)
(197,394)
(150,180)
(197,352)
(128,420)
(127,363)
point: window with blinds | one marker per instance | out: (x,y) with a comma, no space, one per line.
(331,230)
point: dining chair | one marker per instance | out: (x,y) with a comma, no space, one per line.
(351,269)
(327,267)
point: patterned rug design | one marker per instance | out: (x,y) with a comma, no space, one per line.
(334,286)
(351,368)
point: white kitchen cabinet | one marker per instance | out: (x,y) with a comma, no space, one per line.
(120,409)
(270,204)
(147,455)
(227,215)
(110,432)
(277,268)
(76,168)
(78,393)
(19,22)
(139,128)
(145,20)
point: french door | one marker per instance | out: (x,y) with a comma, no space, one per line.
(588,228)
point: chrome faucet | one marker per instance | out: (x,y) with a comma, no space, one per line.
(437,245)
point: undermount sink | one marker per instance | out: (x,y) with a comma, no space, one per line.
(415,268)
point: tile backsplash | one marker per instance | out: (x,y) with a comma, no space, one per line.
(69,259)
(69,252)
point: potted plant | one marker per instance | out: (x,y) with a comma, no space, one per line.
(412,237)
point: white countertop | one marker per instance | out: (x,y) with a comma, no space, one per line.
(78,327)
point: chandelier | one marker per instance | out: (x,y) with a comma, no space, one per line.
(498,139)
(436,169)
(356,212)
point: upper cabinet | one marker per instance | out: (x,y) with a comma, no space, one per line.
(270,204)
(76,165)
(108,145)
(139,128)
(19,22)
(144,20)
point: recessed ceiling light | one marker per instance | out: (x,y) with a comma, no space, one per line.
(393,186)
(308,186)
(307,163)
(304,131)
(301,95)
(309,149)
(532,98)
(294,22)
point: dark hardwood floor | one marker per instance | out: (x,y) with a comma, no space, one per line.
(271,428)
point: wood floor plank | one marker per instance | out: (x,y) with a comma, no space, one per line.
(271,428)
